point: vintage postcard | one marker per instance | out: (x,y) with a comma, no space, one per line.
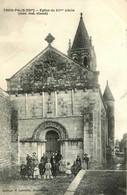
(63,97)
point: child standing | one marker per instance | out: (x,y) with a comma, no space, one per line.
(48,173)
(54,168)
(62,167)
(23,170)
(36,172)
(68,169)
(42,168)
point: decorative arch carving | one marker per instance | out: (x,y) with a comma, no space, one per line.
(60,129)
(75,57)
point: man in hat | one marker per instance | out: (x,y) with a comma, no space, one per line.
(78,160)
(44,158)
(86,159)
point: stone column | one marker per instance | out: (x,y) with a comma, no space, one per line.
(94,134)
(19,155)
(56,103)
(43,149)
(86,143)
(43,99)
(72,100)
(99,135)
(65,149)
(39,151)
(26,107)
(62,148)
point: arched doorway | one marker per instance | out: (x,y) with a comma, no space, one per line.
(52,143)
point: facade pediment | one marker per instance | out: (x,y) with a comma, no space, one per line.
(51,69)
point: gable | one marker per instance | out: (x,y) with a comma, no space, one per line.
(50,69)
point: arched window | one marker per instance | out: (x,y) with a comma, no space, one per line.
(75,57)
(85,61)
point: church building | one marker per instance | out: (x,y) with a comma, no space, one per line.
(57,104)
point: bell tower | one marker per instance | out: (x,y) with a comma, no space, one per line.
(82,50)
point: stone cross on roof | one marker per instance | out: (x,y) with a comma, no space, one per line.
(49,39)
(81,14)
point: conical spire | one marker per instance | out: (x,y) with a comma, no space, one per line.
(81,39)
(108,94)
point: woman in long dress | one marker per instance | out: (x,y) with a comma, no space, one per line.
(36,172)
(75,169)
(62,166)
(48,173)
(68,169)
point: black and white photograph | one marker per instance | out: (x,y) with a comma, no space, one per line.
(63,97)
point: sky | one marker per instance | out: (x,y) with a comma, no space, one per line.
(22,37)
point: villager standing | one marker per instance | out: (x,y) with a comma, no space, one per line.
(36,172)
(30,168)
(78,160)
(28,158)
(62,165)
(42,168)
(54,168)
(44,158)
(68,169)
(86,160)
(75,168)
(48,173)
(23,170)
(53,158)
(57,156)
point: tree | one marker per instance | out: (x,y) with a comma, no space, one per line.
(123,142)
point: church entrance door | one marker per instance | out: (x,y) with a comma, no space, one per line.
(52,143)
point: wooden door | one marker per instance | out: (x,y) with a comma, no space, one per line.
(52,143)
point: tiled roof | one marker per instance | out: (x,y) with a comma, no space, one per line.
(81,39)
(108,94)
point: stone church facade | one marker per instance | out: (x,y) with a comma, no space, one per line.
(57,104)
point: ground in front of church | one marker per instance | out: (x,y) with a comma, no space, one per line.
(55,186)
(102,183)
(99,182)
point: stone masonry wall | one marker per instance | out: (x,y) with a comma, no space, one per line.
(5,131)
(68,108)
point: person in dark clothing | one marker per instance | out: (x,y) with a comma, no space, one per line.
(28,159)
(86,160)
(53,158)
(44,158)
(78,160)
(23,170)
(57,156)
(54,168)
(78,163)
(75,169)
(42,168)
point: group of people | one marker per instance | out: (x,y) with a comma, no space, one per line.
(48,168)
(80,164)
